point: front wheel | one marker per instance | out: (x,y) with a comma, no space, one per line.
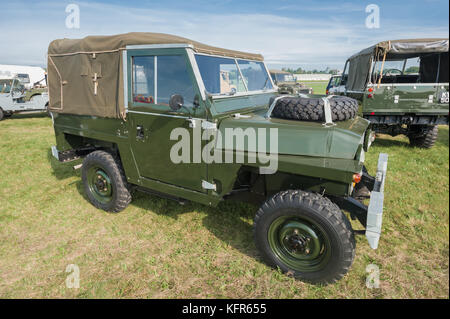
(104,182)
(305,235)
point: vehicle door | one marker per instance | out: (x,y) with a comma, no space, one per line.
(154,76)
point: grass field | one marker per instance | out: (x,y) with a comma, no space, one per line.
(318,87)
(159,249)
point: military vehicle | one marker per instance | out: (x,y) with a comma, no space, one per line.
(130,105)
(403,87)
(14,99)
(287,84)
(333,84)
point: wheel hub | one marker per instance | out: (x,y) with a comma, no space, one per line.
(100,184)
(299,243)
(296,243)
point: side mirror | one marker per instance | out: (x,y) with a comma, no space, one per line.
(176,102)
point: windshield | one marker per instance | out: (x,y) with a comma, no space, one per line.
(5,86)
(227,76)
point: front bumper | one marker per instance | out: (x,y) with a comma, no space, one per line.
(375,209)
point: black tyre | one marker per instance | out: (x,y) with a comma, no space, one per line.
(423,137)
(2,114)
(104,182)
(311,109)
(305,235)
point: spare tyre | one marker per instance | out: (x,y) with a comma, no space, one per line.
(311,109)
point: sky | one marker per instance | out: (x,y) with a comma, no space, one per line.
(307,34)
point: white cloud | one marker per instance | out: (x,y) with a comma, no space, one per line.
(282,40)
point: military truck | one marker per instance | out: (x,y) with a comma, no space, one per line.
(152,112)
(287,84)
(14,99)
(403,87)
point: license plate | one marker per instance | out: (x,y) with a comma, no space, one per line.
(444,97)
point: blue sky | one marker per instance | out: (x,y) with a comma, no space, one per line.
(310,34)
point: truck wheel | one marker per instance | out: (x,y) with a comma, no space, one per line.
(425,137)
(2,114)
(311,109)
(305,235)
(104,182)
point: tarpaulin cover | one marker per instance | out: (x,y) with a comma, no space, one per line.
(85,75)
(359,63)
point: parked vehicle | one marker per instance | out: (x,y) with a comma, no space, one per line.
(287,84)
(333,85)
(13,98)
(132,104)
(28,75)
(403,87)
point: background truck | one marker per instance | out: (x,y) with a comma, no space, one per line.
(402,86)
(13,98)
(287,84)
(134,105)
(28,75)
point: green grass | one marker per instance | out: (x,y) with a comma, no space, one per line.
(318,87)
(157,248)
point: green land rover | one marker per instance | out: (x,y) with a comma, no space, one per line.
(403,87)
(173,117)
(287,84)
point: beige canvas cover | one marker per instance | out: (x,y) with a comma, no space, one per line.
(85,75)
(359,63)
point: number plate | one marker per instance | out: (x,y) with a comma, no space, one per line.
(444,97)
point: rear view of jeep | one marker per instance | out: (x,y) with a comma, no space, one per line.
(403,87)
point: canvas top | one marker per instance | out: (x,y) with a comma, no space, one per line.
(91,44)
(407,46)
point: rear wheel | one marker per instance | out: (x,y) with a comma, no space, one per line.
(2,114)
(423,136)
(104,182)
(305,235)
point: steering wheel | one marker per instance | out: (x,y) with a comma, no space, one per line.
(389,72)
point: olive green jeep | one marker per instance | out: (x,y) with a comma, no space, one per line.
(287,84)
(402,86)
(173,117)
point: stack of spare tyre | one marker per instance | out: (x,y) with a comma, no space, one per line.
(312,109)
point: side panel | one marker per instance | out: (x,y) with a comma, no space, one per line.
(406,99)
(74,131)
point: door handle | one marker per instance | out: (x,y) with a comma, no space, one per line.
(140,133)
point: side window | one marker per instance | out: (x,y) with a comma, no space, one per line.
(173,78)
(144,79)
(169,73)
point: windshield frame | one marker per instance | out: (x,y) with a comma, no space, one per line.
(247,92)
